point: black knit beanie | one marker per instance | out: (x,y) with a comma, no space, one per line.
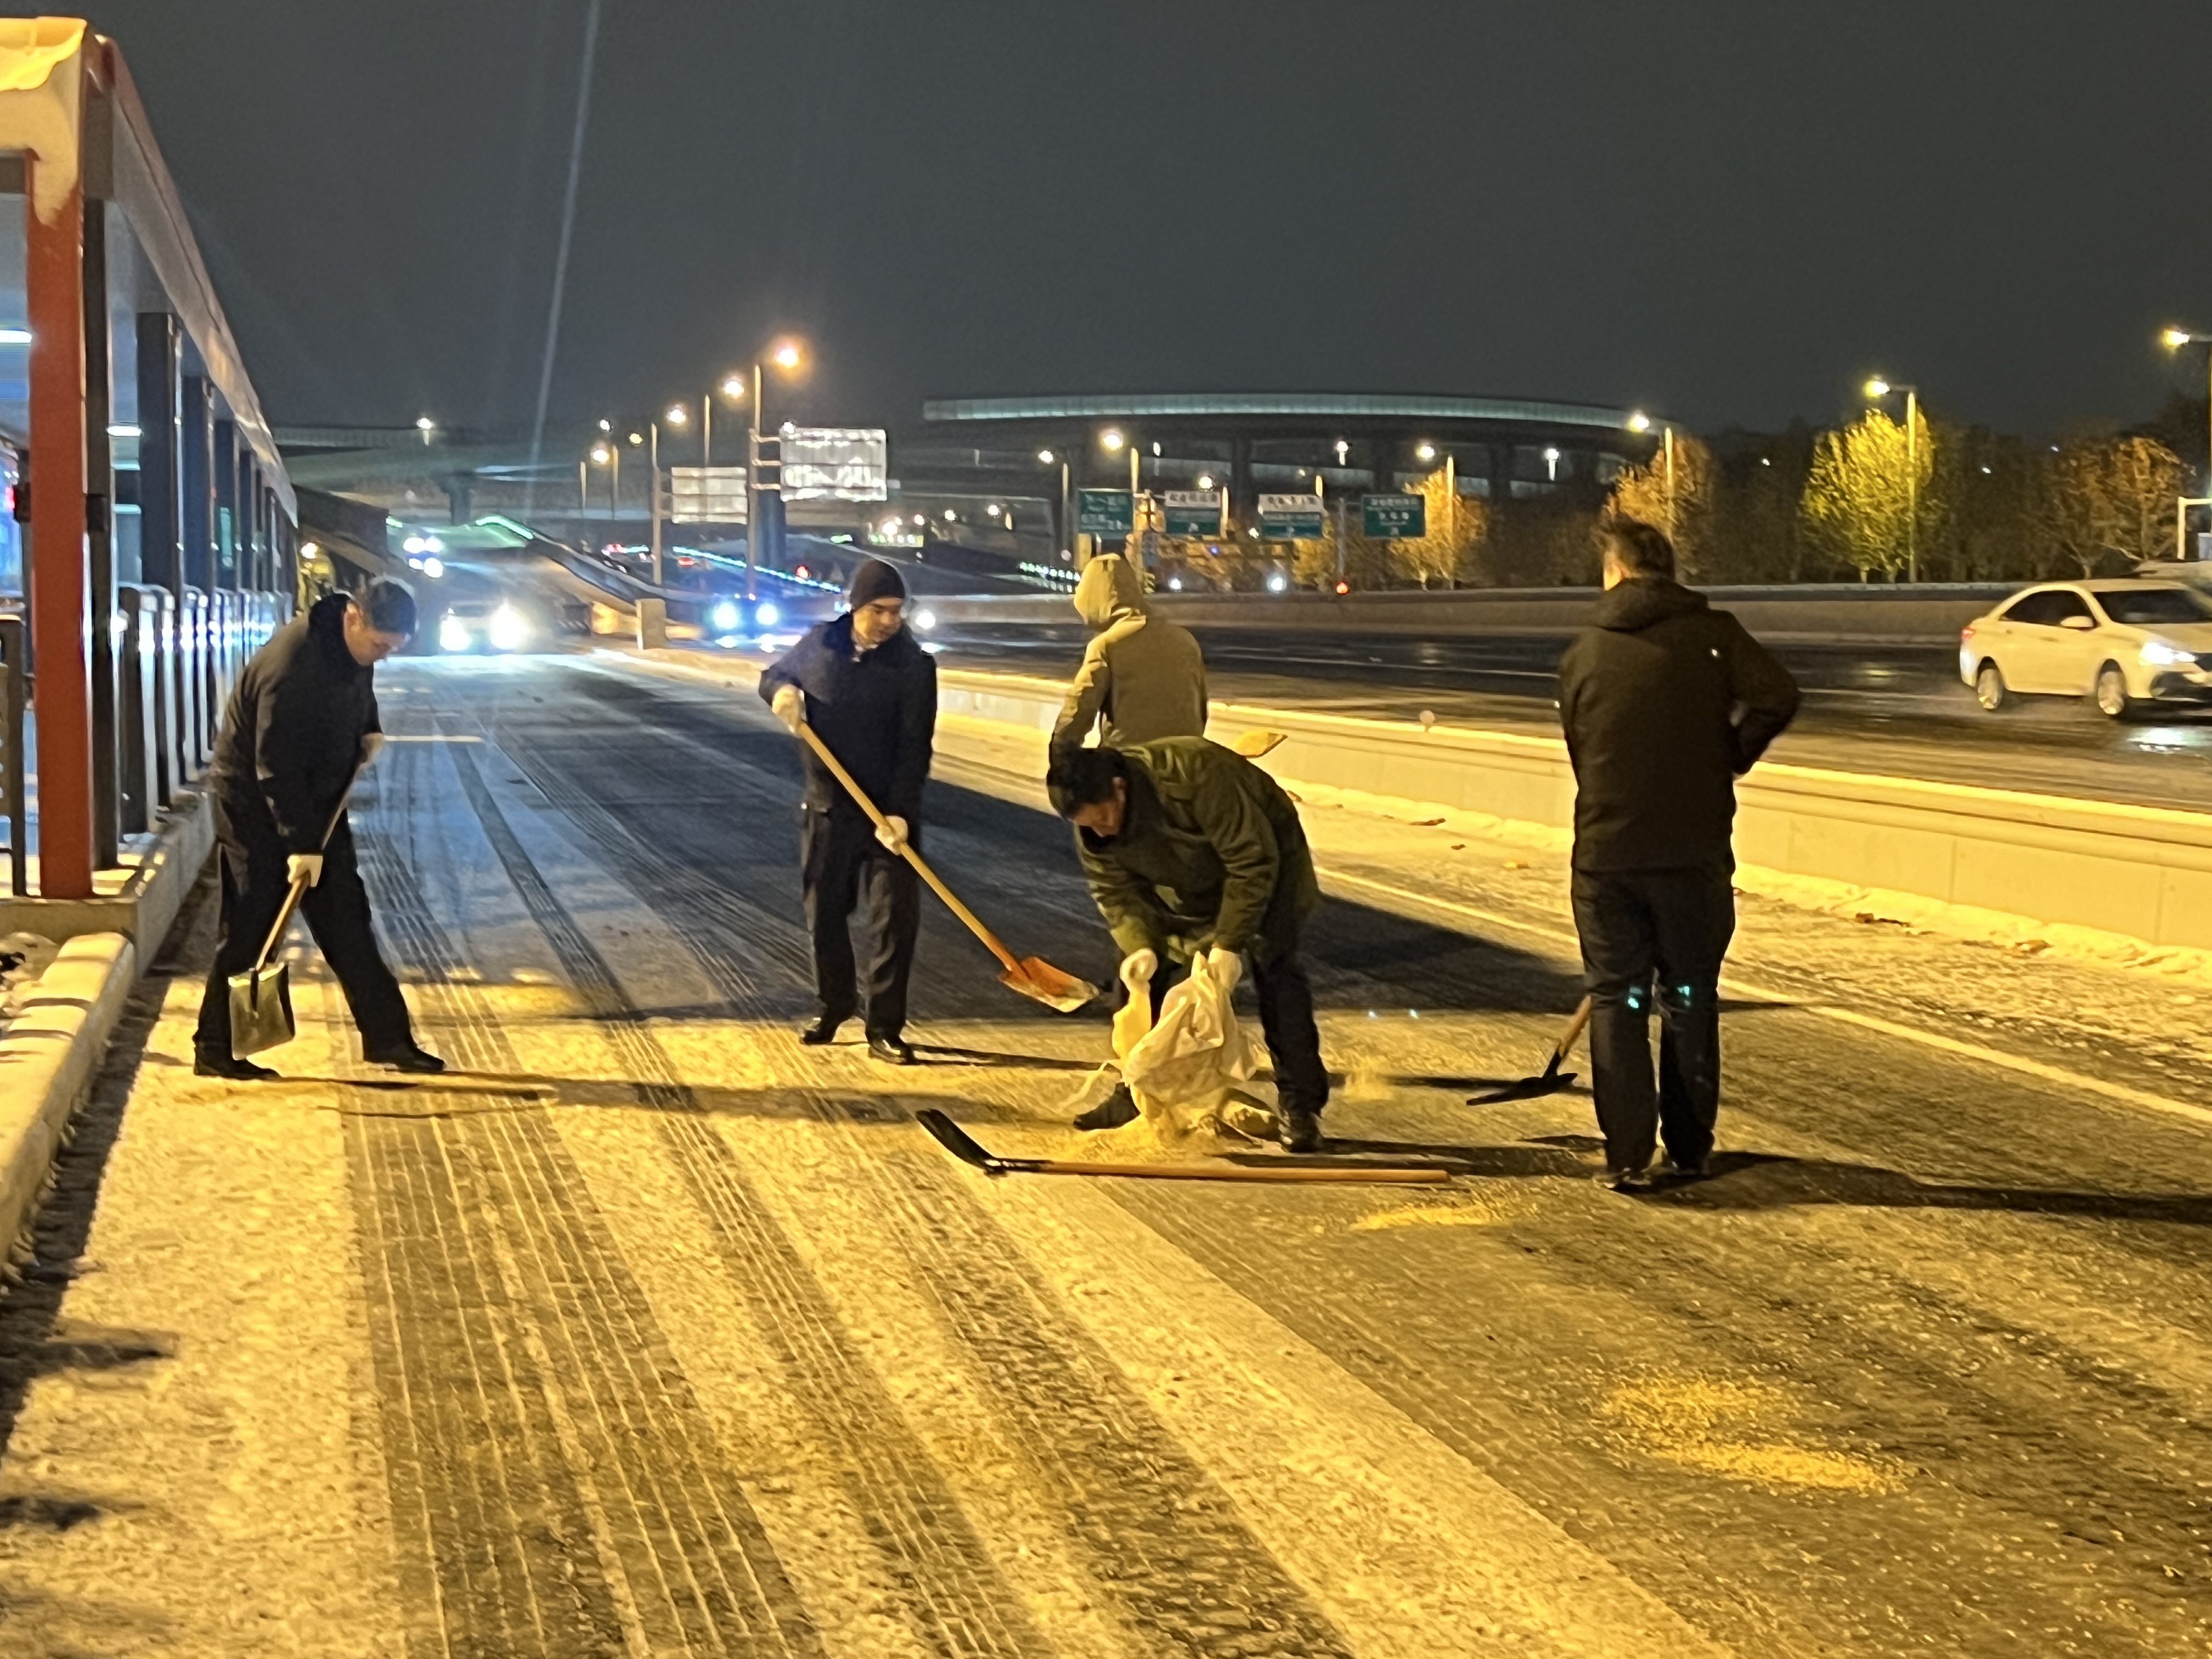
(875,580)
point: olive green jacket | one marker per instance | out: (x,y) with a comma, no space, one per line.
(1142,675)
(1211,852)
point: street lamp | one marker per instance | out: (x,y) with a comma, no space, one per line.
(1046,457)
(1877,389)
(2173,340)
(788,355)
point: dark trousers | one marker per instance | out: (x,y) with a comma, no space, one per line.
(1287,1019)
(1655,936)
(843,865)
(337,912)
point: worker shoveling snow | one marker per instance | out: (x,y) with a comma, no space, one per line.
(1182,1069)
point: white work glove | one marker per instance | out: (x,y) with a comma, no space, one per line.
(372,745)
(893,833)
(1225,967)
(306,867)
(1139,967)
(789,706)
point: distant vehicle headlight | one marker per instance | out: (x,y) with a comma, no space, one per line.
(2159,654)
(767,615)
(509,630)
(925,620)
(432,567)
(1276,583)
(724,617)
(453,635)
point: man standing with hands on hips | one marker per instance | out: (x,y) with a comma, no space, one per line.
(1666,702)
(301,722)
(869,691)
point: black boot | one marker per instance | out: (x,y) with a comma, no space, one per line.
(410,1056)
(892,1050)
(1111,1113)
(211,1062)
(1298,1129)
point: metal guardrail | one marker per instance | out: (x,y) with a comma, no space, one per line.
(176,658)
(15,685)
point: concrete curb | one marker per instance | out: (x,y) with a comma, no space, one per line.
(49,1053)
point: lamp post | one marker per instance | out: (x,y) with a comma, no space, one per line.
(1046,457)
(2173,340)
(676,415)
(788,355)
(1877,389)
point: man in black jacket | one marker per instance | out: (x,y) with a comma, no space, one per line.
(1665,703)
(302,720)
(870,693)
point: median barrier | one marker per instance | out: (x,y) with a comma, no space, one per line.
(1839,613)
(2144,872)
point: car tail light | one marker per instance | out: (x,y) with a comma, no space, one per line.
(1966,632)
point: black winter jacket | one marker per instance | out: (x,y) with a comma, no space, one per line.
(291,735)
(1665,702)
(876,710)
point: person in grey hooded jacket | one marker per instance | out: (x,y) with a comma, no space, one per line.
(1142,677)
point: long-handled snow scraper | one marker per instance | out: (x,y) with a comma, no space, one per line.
(261,997)
(1032,976)
(965,1147)
(1551,1079)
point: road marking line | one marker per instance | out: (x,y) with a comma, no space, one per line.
(2017,1063)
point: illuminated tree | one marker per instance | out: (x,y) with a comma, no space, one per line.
(2111,498)
(1684,509)
(1450,548)
(1861,493)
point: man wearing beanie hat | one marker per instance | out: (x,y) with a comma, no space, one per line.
(870,693)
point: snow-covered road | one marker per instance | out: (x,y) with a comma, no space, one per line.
(648,1331)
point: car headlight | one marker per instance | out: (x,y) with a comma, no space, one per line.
(925,620)
(453,635)
(508,631)
(767,615)
(2159,654)
(724,617)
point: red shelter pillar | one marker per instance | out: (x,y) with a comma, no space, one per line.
(60,604)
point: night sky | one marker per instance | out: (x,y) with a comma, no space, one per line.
(1728,211)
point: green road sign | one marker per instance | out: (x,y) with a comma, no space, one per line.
(1194,513)
(1394,517)
(1105,512)
(1290,518)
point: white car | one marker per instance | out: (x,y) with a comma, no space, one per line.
(2125,644)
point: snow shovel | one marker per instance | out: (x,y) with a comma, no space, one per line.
(1032,976)
(1551,1079)
(1257,742)
(965,1147)
(261,997)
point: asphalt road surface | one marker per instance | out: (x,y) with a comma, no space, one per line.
(649,1331)
(1899,710)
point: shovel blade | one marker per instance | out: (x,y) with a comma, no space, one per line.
(1254,743)
(260,1011)
(1038,979)
(1529,1088)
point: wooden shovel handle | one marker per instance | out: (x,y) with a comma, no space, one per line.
(991,940)
(1383,1175)
(1574,1029)
(299,888)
